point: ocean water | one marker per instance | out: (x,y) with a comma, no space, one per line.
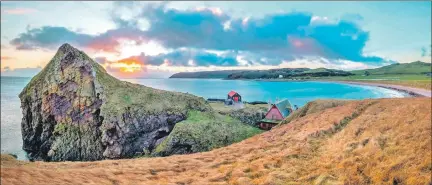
(298,93)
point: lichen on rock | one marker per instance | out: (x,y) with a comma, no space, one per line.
(74,110)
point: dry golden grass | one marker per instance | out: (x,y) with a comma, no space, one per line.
(385,141)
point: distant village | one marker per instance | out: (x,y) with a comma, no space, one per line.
(277,111)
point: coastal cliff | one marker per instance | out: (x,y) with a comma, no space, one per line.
(74,110)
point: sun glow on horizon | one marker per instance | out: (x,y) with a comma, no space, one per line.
(125,66)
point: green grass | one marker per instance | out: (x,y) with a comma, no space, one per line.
(205,131)
(410,80)
(248,114)
(387,77)
(120,95)
(406,68)
(221,107)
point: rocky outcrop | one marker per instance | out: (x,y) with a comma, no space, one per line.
(250,117)
(204,131)
(74,110)
(247,113)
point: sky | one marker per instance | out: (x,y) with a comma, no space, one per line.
(156,39)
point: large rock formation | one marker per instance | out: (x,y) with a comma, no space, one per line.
(74,110)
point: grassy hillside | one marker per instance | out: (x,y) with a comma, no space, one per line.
(385,141)
(398,68)
(249,114)
(287,73)
(264,74)
(407,74)
(204,131)
(205,74)
(313,107)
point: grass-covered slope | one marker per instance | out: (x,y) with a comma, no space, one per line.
(265,74)
(385,141)
(246,113)
(204,131)
(313,107)
(287,73)
(205,74)
(399,68)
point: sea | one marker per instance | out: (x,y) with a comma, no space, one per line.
(298,93)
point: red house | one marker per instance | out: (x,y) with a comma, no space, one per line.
(277,112)
(234,96)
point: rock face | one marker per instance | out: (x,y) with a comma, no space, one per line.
(74,110)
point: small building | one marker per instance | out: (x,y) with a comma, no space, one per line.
(234,96)
(277,112)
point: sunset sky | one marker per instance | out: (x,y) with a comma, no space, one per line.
(153,39)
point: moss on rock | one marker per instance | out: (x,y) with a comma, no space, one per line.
(204,131)
(247,113)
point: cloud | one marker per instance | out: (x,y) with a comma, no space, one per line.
(319,62)
(180,57)
(22,72)
(19,11)
(194,57)
(267,40)
(6,58)
(269,35)
(48,37)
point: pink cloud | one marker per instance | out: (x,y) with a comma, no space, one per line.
(19,11)
(6,58)
(305,45)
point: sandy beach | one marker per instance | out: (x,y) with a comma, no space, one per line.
(417,92)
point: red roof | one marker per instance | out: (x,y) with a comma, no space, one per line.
(231,93)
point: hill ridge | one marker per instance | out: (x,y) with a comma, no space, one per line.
(416,67)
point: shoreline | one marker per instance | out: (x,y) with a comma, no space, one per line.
(412,91)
